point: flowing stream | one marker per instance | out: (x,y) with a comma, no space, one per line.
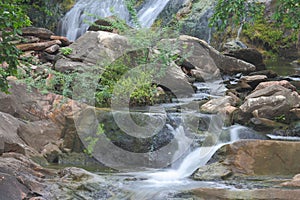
(193,151)
(84,12)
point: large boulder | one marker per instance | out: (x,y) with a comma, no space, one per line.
(204,59)
(263,157)
(9,134)
(270,102)
(93,48)
(252,158)
(249,55)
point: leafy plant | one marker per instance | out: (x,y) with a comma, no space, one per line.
(12,19)
(235,13)
(66,50)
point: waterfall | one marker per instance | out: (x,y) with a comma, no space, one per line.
(76,21)
(150,11)
(197,158)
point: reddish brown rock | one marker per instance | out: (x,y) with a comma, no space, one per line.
(263,194)
(263,157)
(282,83)
(64,40)
(38,32)
(38,46)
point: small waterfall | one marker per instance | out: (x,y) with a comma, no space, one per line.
(75,22)
(197,158)
(150,11)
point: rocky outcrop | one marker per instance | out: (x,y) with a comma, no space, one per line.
(264,194)
(249,55)
(271,102)
(252,158)
(93,49)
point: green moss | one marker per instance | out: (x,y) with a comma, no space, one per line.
(268,36)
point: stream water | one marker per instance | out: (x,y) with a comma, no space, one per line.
(194,150)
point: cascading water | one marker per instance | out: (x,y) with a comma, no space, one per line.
(150,11)
(76,21)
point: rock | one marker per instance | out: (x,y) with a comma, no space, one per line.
(204,58)
(249,55)
(263,157)
(216,105)
(233,45)
(31,39)
(296,112)
(65,65)
(282,83)
(21,103)
(106,24)
(290,53)
(52,49)
(215,171)
(11,188)
(295,182)
(64,41)
(268,73)
(39,133)
(38,32)
(38,46)
(271,102)
(8,134)
(103,47)
(263,194)
(27,176)
(254,80)
(263,124)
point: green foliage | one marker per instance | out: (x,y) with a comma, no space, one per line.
(288,13)
(132,76)
(12,19)
(234,13)
(131,6)
(266,33)
(272,32)
(66,50)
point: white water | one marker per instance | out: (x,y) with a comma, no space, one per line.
(197,158)
(76,21)
(150,11)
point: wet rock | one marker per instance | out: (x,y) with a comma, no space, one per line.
(249,55)
(266,194)
(217,105)
(263,157)
(295,182)
(263,124)
(271,102)
(38,32)
(215,171)
(254,80)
